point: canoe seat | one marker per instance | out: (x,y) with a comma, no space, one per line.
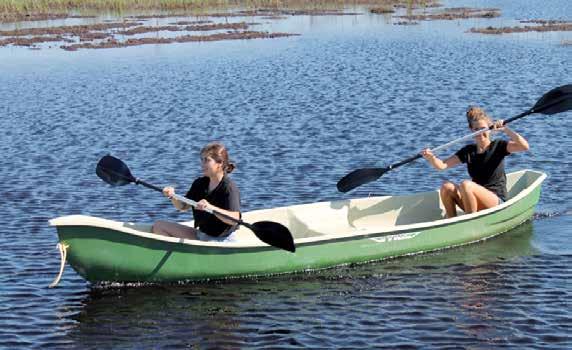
(387,212)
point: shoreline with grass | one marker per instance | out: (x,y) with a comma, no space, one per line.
(25,10)
(144,22)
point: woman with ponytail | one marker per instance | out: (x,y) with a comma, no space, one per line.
(485,164)
(215,190)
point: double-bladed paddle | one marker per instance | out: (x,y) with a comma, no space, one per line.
(116,173)
(555,101)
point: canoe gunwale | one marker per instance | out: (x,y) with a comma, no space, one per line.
(89,221)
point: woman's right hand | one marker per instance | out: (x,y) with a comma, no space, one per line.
(169,192)
(427,154)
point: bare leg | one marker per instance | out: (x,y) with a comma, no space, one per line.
(475,197)
(451,197)
(172,229)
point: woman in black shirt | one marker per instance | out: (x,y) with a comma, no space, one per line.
(485,163)
(214,191)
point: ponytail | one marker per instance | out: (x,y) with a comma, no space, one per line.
(230,167)
(218,152)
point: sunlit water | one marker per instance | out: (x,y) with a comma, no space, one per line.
(297,114)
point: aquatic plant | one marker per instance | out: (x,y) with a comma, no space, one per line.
(21,9)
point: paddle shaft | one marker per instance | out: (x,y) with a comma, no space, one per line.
(464,138)
(555,101)
(116,173)
(190,202)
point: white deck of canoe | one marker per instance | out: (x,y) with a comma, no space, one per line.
(337,219)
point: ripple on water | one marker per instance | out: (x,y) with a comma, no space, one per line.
(296,115)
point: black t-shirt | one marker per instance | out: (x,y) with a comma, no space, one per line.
(487,168)
(225,196)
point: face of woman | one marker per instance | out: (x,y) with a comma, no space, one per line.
(210,166)
(478,125)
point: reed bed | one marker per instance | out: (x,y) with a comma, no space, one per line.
(20,9)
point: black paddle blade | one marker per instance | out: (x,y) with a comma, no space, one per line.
(555,101)
(113,171)
(360,177)
(274,234)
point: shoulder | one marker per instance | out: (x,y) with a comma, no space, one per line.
(464,154)
(229,184)
(200,182)
(501,146)
(467,149)
(500,142)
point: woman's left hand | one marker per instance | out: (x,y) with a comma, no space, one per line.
(204,205)
(498,125)
(427,154)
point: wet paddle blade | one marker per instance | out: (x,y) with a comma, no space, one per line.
(359,177)
(113,171)
(274,234)
(555,101)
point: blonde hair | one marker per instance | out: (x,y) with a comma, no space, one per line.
(217,151)
(475,113)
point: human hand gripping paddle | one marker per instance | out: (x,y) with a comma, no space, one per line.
(116,173)
(555,101)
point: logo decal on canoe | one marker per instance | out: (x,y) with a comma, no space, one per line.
(392,238)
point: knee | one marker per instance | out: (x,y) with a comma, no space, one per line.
(447,188)
(466,185)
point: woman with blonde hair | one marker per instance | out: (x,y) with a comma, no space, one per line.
(485,164)
(213,191)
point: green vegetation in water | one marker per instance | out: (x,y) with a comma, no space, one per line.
(14,10)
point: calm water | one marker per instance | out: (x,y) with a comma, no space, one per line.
(297,114)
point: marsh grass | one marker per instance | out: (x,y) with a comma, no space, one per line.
(20,9)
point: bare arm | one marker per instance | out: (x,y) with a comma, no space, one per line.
(438,163)
(203,204)
(169,192)
(180,205)
(517,143)
(232,214)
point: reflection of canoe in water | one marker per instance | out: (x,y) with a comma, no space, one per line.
(326,234)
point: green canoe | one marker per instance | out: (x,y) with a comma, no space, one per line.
(326,234)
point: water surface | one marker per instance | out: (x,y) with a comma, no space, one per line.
(297,114)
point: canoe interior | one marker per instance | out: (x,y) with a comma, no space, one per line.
(356,215)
